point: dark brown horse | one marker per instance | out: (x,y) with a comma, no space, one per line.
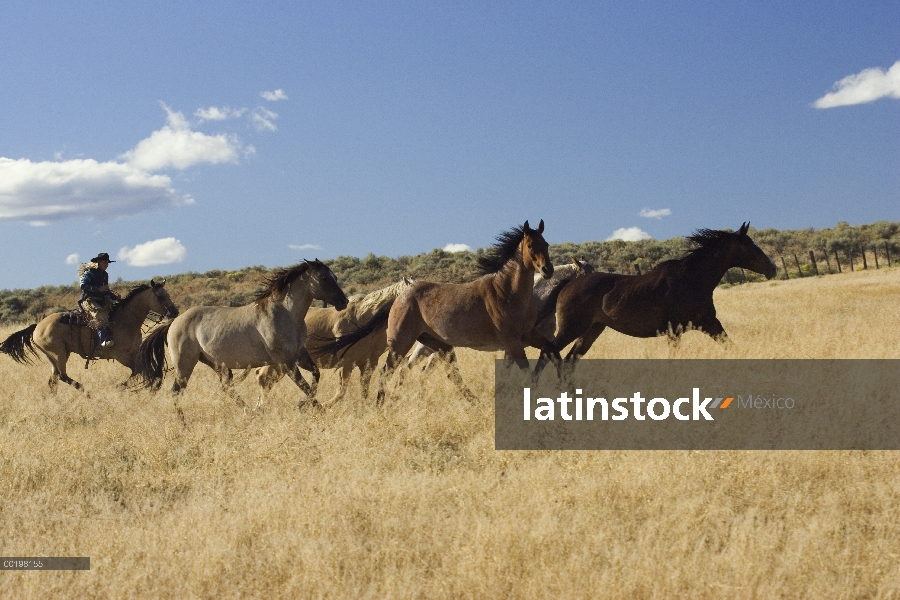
(670,298)
(494,312)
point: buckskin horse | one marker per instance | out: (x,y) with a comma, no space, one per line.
(494,312)
(326,323)
(668,299)
(268,331)
(60,334)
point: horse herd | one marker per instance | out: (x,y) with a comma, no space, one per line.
(519,300)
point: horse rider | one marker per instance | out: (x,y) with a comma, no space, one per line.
(96,297)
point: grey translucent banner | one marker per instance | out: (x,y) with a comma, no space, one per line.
(45,563)
(700,405)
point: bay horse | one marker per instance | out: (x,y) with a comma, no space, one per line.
(268,331)
(326,323)
(57,336)
(494,312)
(545,295)
(668,299)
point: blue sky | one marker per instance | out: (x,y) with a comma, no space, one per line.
(198,136)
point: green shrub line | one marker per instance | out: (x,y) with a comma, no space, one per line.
(797,253)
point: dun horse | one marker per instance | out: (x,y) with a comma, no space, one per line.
(324,323)
(56,336)
(269,331)
(675,295)
(494,312)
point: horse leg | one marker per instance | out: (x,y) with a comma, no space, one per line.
(418,352)
(571,324)
(536,339)
(297,378)
(58,358)
(454,375)
(713,328)
(365,377)
(448,354)
(307,363)
(584,343)
(343,377)
(226,379)
(266,378)
(184,366)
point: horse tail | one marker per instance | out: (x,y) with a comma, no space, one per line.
(20,345)
(549,306)
(378,322)
(151,358)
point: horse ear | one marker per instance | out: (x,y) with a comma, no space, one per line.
(540,228)
(744,228)
(526,227)
(153,284)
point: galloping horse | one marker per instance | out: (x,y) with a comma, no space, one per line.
(494,312)
(56,337)
(269,331)
(545,294)
(325,323)
(666,300)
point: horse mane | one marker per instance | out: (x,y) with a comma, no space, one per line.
(374,300)
(506,247)
(128,297)
(703,242)
(276,285)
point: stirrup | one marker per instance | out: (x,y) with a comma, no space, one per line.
(107,344)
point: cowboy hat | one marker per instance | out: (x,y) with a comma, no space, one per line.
(102,256)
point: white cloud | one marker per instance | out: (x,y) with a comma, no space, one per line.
(274,95)
(175,145)
(42,192)
(457,248)
(72,259)
(157,252)
(214,113)
(262,119)
(866,86)
(655,213)
(304,247)
(629,234)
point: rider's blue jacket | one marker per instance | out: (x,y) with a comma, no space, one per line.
(91,281)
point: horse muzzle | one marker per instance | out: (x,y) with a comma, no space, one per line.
(547,271)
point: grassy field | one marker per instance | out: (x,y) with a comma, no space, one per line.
(412,501)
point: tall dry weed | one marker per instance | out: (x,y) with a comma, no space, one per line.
(412,501)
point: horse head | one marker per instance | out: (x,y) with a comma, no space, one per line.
(748,255)
(165,306)
(582,265)
(536,251)
(325,286)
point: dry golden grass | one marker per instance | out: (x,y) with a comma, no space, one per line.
(411,500)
